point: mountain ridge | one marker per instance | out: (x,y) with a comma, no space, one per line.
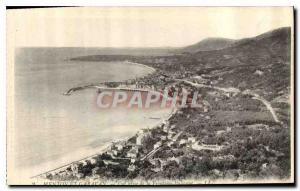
(207,44)
(215,43)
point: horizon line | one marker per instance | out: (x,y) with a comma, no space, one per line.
(153,47)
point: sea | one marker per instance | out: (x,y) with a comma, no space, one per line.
(50,129)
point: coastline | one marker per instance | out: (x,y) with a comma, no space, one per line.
(142,65)
(102,150)
(107,145)
(95,85)
(61,172)
(232,137)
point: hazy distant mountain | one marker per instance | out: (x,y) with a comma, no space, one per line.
(209,44)
(213,51)
(261,63)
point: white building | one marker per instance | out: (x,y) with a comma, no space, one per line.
(93,161)
(119,147)
(191,139)
(131,167)
(182,141)
(157,145)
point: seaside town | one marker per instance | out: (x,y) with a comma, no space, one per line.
(240,132)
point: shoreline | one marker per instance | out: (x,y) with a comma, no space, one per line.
(107,145)
(142,65)
(102,150)
(60,174)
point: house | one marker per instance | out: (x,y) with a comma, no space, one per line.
(176,136)
(79,175)
(93,161)
(131,167)
(191,139)
(214,93)
(258,72)
(119,147)
(205,103)
(163,138)
(165,128)
(157,145)
(182,141)
(172,127)
(142,136)
(133,152)
(108,162)
(198,147)
(155,162)
(170,143)
(170,134)
(220,132)
(75,166)
(112,152)
(132,160)
(199,79)
(157,169)
(163,163)
(214,82)
(95,170)
(86,162)
(174,159)
(228,129)
(207,117)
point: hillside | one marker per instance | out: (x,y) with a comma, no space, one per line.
(261,63)
(208,44)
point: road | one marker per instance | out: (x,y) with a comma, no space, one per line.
(246,92)
(226,90)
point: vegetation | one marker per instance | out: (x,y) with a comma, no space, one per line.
(238,135)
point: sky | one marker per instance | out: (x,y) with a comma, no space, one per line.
(139,26)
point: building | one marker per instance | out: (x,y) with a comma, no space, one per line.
(74,167)
(133,152)
(170,143)
(95,170)
(259,73)
(119,147)
(157,145)
(93,161)
(163,138)
(191,139)
(176,136)
(228,129)
(112,152)
(220,132)
(171,134)
(131,167)
(132,160)
(182,141)
(200,80)
(198,147)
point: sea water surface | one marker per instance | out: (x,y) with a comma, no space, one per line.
(50,129)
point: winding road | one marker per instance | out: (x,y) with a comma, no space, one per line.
(235,90)
(226,90)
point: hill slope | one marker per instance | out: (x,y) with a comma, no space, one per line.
(208,44)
